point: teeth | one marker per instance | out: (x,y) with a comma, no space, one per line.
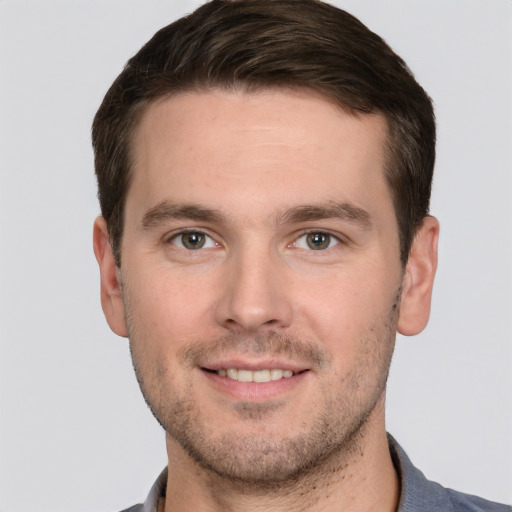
(244,376)
(276,374)
(257,376)
(260,376)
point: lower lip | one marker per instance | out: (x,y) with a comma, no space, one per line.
(255,391)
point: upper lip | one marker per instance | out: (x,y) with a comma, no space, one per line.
(254,365)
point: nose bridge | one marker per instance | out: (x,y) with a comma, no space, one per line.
(253,295)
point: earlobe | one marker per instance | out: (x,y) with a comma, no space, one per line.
(419,279)
(111,294)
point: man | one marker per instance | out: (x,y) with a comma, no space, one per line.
(264,172)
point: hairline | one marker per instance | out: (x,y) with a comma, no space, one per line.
(138,110)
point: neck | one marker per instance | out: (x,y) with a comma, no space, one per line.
(360,478)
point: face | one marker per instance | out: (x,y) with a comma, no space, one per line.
(261,278)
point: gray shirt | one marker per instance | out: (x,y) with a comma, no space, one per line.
(417,495)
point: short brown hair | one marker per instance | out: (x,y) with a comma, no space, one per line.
(257,44)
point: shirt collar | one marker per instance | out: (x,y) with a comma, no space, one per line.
(156,492)
(417,494)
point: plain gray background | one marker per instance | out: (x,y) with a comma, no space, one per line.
(75,434)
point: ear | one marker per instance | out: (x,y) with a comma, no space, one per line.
(419,279)
(111,294)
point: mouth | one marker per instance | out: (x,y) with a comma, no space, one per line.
(254,382)
(259,376)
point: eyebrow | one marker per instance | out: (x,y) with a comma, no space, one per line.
(333,210)
(166,211)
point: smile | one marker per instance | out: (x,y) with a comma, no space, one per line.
(255,382)
(255,376)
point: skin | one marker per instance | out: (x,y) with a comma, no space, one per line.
(253,176)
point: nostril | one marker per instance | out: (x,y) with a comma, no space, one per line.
(246,324)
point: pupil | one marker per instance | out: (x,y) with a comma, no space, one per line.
(193,240)
(318,240)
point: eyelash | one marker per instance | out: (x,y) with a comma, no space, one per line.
(176,236)
(331,237)
(295,244)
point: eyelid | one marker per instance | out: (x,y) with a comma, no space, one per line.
(170,237)
(338,238)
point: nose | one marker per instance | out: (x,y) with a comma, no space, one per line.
(254,294)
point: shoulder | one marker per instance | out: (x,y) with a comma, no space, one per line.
(135,508)
(421,495)
(467,503)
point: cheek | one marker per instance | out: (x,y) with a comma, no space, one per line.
(167,307)
(342,311)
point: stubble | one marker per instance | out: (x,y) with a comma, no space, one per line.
(331,436)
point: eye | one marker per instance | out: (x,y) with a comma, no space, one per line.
(317,241)
(193,240)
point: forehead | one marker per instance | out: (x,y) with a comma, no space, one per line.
(286,146)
